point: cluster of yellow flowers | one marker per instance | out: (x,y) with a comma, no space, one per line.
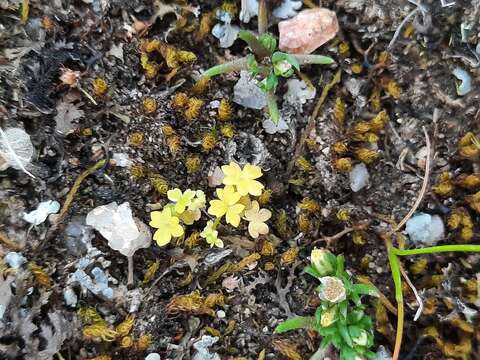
(184,207)
(233,202)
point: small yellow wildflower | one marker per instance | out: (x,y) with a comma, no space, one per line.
(211,235)
(243,179)
(193,212)
(181,200)
(167,225)
(256,218)
(227,204)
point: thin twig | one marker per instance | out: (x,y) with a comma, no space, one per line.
(399,28)
(311,122)
(339,235)
(423,190)
(415,292)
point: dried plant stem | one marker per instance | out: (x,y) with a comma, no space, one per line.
(130,271)
(73,191)
(339,235)
(311,121)
(87,95)
(262,17)
(399,28)
(9,243)
(426,177)
(415,292)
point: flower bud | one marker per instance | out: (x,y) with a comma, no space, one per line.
(328,317)
(322,261)
(361,339)
(332,289)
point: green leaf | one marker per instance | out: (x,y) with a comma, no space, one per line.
(340,265)
(284,64)
(363,289)
(342,329)
(328,331)
(343,309)
(269,83)
(255,44)
(337,341)
(354,331)
(347,353)
(273,107)
(327,340)
(252,65)
(318,314)
(296,323)
(312,271)
(355,316)
(268,41)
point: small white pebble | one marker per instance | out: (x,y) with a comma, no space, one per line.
(359,177)
(153,356)
(221,314)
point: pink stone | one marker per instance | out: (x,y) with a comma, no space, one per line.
(307,31)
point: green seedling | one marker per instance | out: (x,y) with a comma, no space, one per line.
(267,66)
(340,318)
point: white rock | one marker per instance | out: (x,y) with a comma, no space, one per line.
(226,32)
(40,214)
(298,92)
(425,229)
(117,225)
(203,353)
(359,177)
(70,297)
(16,149)
(466,81)
(122,160)
(153,356)
(287,9)
(249,10)
(383,353)
(272,128)
(14,259)
(247,94)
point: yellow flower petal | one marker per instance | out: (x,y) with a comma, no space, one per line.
(264,215)
(233,214)
(231,170)
(257,228)
(252,171)
(162,237)
(176,230)
(174,195)
(217,208)
(255,188)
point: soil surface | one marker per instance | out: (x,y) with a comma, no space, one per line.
(73,127)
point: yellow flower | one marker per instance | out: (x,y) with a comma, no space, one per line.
(193,212)
(227,204)
(167,226)
(181,200)
(198,202)
(243,179)
(256,218)
(211,235)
